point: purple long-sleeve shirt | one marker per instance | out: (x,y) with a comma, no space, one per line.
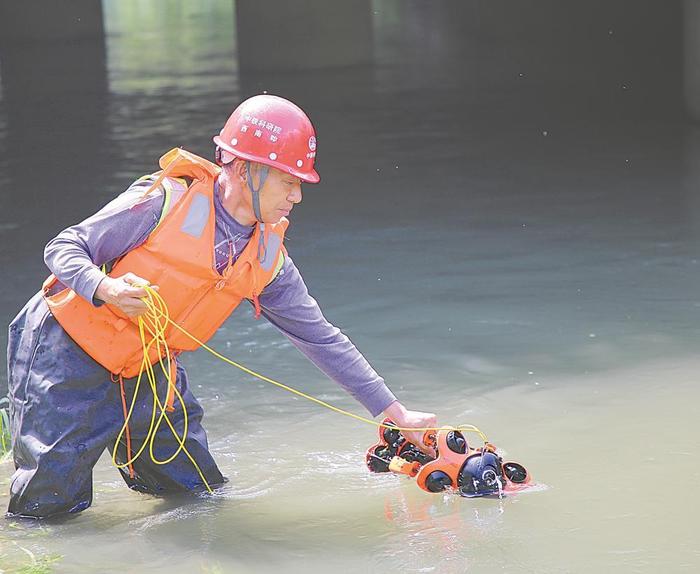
(76,254)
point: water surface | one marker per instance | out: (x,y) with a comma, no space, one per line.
(535,274)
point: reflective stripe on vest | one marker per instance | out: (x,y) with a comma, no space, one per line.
(173,190)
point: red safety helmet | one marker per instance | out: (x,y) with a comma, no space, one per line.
(273,131)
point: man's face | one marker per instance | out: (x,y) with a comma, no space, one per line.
(281,192)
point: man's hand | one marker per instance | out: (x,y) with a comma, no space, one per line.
(402,417)
(124,293)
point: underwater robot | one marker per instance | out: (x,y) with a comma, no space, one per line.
(471,472)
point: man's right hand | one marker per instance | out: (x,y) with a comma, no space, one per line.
(404,418)
(124,293)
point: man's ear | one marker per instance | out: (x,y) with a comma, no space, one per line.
(239,170)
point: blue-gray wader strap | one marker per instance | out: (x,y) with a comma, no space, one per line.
(262,246)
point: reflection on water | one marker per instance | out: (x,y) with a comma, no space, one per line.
(177,48)
(501,262)
(178,71)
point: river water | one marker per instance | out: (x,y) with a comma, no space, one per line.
(533,274)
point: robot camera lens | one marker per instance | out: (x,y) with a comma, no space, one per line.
(489,477)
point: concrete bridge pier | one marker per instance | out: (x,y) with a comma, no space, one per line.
(54,82)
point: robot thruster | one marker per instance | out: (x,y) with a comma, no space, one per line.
(471,472)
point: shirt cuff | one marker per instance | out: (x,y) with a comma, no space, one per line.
(379,400)
(89,281)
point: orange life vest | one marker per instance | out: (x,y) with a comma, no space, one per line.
(178,256)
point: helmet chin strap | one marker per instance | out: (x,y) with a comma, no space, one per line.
(255,193)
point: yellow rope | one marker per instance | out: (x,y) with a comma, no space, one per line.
(154,297)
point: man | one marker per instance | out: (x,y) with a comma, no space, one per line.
(205,237)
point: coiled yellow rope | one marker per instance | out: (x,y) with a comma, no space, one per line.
(152,327)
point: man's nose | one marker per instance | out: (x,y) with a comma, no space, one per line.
(295,195)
